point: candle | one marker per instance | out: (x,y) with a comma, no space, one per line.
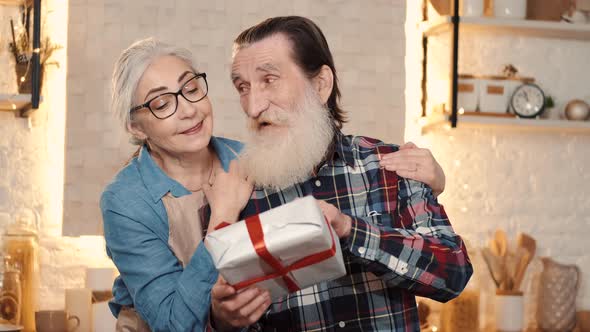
(79,303)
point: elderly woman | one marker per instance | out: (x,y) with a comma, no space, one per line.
(153,211)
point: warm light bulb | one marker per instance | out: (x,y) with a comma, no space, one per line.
(22,79)
(461,110)
(434,329)
(13,105)
(37,50)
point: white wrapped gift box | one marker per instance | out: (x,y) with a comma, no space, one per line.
(297,248)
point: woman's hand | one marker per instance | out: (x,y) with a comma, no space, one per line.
(232,309)
(417,164)
(227,196)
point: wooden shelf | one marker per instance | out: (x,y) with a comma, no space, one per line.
(11,2)
(549,29)
(480,121)
(20,103)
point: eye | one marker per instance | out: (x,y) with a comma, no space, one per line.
(191,89)
(242,88)
(160,103)
(270,79)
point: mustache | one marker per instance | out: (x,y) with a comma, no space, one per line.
(272,117)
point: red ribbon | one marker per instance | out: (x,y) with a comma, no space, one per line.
(257,238)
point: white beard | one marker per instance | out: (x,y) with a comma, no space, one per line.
(277,158)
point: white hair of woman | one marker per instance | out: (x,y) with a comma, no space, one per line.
(128,71)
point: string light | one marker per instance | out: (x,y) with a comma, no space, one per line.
(37,50)
(461,110)
(434,329)
(22,79)
(13,105)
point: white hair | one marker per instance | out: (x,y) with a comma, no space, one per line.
(294,153)
(129,68)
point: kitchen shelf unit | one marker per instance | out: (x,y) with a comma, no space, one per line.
(11,2)
(454,24)
(532,28)
(18,102)
(436,121)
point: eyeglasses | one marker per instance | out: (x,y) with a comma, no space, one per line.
(166,104)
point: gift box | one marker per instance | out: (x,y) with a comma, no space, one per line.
(283,250)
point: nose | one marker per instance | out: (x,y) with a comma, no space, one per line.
(186,109)
(257,103)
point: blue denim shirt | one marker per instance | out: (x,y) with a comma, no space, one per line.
(167,297)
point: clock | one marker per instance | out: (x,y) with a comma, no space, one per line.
(528,101)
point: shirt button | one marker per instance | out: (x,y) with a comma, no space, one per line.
(342,324)
(362,250)
(318,183)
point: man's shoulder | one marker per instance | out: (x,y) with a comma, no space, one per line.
(368,145)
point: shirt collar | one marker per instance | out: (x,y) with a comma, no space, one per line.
(159,183)
(341,147)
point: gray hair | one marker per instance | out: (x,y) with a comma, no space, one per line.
(129,68)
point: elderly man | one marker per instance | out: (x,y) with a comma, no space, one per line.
(396,238)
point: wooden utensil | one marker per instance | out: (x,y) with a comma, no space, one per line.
(526,241)
(529,245)
(501,242)
(494,266)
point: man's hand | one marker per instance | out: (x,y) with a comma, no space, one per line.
(339,221)
(233,309)
(416,164)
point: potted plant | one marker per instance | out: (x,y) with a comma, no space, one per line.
(549,112)
(21,48)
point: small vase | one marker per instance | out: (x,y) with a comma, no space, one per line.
(509,311)
(557,295)
(24,74)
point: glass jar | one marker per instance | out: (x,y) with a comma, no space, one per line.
(462,313)
(21,244)
(10,293)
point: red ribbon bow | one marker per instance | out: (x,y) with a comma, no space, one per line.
(257,237)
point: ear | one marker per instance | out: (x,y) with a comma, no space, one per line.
(323,83)
(135,129)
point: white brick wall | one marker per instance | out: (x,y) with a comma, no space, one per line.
(368,50)
(32,166)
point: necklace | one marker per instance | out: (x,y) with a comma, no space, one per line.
(208,178)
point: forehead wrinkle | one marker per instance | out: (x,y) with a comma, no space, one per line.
(261,59)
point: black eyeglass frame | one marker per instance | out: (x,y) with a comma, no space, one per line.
(179,92)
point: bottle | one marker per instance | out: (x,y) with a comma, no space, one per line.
(21,244)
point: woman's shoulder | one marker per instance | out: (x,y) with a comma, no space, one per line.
(227,145)
(226,149)
(125,188)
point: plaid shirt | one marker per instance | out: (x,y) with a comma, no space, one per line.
(401,245)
